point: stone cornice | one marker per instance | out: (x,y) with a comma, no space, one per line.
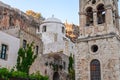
(53,22)
(108,7)
(31,34)
(110,35)
(82,13)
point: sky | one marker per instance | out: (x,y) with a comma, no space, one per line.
(65,10)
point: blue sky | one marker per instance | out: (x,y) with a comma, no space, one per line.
(62,9)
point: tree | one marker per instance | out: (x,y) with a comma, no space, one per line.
(25,58)
(34,14)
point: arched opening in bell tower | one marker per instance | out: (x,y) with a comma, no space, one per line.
(100,14)
(89,16)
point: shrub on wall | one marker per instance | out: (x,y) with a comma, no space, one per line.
(5,74)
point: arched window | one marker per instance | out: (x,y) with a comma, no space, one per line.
(89,16)
(95,70)
(56,76)
(100,14)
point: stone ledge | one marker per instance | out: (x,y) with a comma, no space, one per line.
(110,35)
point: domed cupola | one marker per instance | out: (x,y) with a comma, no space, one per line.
(52,30)
(52,20)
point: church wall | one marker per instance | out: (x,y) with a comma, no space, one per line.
(108,54)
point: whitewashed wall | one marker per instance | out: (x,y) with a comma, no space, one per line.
(13,44)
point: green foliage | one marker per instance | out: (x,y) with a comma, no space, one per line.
(71,68)
(19,74)
(55,67)
(6,75)
(71,62)
(25,58)
(37,76)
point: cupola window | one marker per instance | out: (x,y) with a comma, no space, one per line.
(63,29)
(44,29)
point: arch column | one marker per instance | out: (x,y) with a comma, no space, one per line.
(95,18)
(109,18)
(82,22)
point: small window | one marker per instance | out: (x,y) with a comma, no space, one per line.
(3,51)
(24,44)
(37,49)
(38,29)
(64,65)
(63,29)
(11,21)
(44,29)
(45,72)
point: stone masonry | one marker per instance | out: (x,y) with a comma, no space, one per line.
(99,41)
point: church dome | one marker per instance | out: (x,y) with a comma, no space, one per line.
(52,19)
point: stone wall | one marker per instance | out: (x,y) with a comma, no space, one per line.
(107,53)
(10,18)
(31,38)
(44,64)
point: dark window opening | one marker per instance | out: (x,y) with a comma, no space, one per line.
(100,14)
(3,51)
(95,70)
(89,16)
(44,29)
(56,76)
(38,29)
(11,21)
(93,1)
(24,44)
(64,65)
(94,48)
(63,29)
(45,72)
(37,49)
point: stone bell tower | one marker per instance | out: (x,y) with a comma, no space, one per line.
(97,49)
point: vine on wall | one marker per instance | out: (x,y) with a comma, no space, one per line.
(71,68)
(25,58)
